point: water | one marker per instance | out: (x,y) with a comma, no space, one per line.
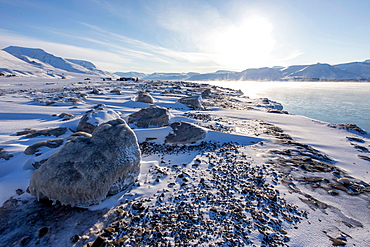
(333,102)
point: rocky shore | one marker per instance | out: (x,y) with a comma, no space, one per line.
(253,178)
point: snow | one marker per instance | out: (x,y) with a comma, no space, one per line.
(244,121)
(34,62)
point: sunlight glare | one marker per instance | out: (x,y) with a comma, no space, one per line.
(249,43)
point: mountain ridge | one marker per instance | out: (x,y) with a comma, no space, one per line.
(36,62)
(43,64)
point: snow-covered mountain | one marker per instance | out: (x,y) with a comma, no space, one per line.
(170,76)
(322,71)
(44,64)
(272,74)
(11,65)
(319,71)
(131,74)
(360,69)
(35,62)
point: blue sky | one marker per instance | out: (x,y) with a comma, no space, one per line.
(192,35)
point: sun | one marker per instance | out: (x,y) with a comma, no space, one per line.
(248,43)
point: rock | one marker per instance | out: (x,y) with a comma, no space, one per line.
(99,241)
(145,97)
(206,93)
(24,241)
(88,169)
(65,115)
(192,101)
(95,117)
(344,181)
(97,91)
(74,100)
(25,132)
(333,192)
(348,127)
(50,102)
(338,242)
(116,91)
(80,133)
(152,116)
(185,133)
(4,154)
(42,232)
(75,238)
(48,132)
(53,143)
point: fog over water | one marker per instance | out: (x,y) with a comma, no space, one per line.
(333,102)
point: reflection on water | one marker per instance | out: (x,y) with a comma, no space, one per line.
(333,102)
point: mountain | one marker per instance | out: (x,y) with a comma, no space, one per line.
(360,69)
(27,54)
(11,65)
(51,64)
(131,74)
(86,64)
(271,74)
(22,61)
(321,71)
(170,76)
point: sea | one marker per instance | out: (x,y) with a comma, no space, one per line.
(332,102)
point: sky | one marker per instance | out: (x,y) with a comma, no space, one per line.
(190,36)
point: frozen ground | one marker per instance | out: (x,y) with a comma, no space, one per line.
(261,177)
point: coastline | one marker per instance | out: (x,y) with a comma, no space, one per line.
(299,182)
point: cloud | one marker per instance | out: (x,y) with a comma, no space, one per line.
(143,50)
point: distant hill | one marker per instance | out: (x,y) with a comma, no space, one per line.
(320,71)
(131,74)
(35,62)
(45,64)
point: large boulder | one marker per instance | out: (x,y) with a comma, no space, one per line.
(92,118)
(155,116)
(185,133)
(145,97)
(194,102)
(89,168)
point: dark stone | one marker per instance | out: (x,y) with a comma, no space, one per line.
(98,242)
(42,232)
(75,238)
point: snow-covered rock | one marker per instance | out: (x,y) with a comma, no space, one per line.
(88,169)
(153,116)
(185,133)
(192,101)
(145,97)
(93,118)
